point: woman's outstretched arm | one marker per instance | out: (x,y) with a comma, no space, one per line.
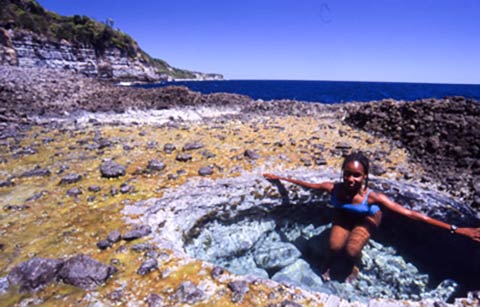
(382,199)
(327,185)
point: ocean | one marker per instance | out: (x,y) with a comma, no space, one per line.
(329,92)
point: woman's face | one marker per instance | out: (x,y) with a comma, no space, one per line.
(354,175)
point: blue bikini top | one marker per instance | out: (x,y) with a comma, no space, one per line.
(363,208)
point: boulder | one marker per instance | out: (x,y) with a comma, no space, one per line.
(85,272)
(111,169)
(34,274)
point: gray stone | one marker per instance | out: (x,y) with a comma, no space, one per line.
(85,272)
(299,274)
(208,154)
(147,266)
(155,165)
(104,244)
(183,157)
(70,178)
(114,236)
(142,247)
(35,273)
(36,196)
(288,303)
(7,183)
(111,169)
(270,252)
(217,272)
(126,188)
(250,154)
(154,300)
(239,288)
(138,232)
(73,192)
(205,171)
(188,293)
(4,285)
(169,148)
(192,146)
(94,188)
(36,172)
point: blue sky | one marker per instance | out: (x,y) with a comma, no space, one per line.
(436,41)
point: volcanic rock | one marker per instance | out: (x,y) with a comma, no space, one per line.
(35,273)
(36,172)
(205,171)
(183,157)
(111,169)
(147,266)
(188,293)
(138,232)
(239,288)
(155,165)
(85,272)
(71,178)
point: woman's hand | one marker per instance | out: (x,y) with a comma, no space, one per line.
(271,176)
(472,233)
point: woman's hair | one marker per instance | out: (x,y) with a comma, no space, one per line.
(359,157)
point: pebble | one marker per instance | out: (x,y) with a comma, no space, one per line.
(183,157)
(205,171)
(73,192)
(192,146)
(70,178)
(94,188)
(169,148)
(188,293)
(114,236)
(36,172)
(154,300)
(217,272)
(147,266)
(250,154)
(111,169)
(155,165)
(138,232)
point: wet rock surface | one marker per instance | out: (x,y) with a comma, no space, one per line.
(284,237)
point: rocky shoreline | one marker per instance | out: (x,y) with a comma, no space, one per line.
(80,178)
(440,134)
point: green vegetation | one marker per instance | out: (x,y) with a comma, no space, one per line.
(163,67)
(29,15)
(80,30)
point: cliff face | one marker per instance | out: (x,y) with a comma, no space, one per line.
(27,49)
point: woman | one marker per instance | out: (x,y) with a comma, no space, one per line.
(358,211)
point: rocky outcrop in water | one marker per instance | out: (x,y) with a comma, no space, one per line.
(40,91)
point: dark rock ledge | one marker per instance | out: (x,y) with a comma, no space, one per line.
(80,271)
(441,134)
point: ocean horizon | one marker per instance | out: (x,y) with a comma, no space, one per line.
(329,92)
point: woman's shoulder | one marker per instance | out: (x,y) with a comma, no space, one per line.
(375,196)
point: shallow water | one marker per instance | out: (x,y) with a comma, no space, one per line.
(244,225)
